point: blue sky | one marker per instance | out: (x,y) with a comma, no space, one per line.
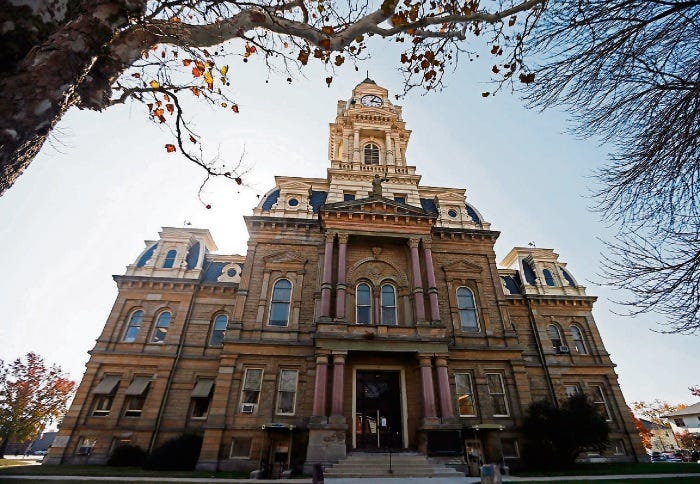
(104,184)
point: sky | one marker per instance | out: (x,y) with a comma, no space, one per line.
(104,183)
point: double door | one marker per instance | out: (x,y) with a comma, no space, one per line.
(378,410)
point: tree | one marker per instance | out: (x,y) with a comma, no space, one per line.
(644,433)
(695,391)
(95,53)
(31,396)
(687,441)
(654,410)
(627,72)
(554,437)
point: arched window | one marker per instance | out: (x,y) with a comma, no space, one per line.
(132,330)
(548,278)
(363,302)
(577,339)
(279,307)
(555,337)
(218,330)
(568,277)
(170,259)
(162,324)
(467,309)
(388,304)
(371,154)
(530,276)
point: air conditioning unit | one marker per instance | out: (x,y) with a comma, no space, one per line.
(248,407)
(563,349)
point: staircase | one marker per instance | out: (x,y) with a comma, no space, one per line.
(404,464)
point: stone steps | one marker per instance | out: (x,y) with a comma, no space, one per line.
(377,465)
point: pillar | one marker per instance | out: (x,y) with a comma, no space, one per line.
(377,306)
(320,385)
(327,276)
(446,408)
(356,146)
(338,376)
(388,149)
(427,388)
(432,286)
(417,282)
(341,286)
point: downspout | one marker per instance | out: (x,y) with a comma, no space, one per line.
(540,351)
(171,374)
(449,306)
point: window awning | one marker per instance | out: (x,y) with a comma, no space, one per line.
(203,388)
(138,385)
(107,385)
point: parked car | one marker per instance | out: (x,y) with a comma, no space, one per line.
(656,457)
(673,456)
(39,452)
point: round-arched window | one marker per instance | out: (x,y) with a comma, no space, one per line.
(371,154)
(134,326)
(577,340)
(162,325)
(218,330)
(363,304)
(279,307)
(466,305)
(388,304)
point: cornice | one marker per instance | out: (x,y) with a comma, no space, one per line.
(452,233)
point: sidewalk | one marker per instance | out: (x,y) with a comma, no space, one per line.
(409,480)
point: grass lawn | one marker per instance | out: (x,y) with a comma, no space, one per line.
(98,470)
(619,468)
(679,480)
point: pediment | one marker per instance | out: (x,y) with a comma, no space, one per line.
(284,257)
(295,185)
(462,266)
(376,205)
(451,197)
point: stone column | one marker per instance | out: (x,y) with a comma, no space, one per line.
(427,388)
(388,150)
(327,277)
(377,306)
(338,376)
(446,408)
(356,146)
(341,286)
(417,282)
(320,385)
(432,286)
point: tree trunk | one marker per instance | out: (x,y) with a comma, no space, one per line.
(3,445)
(44,84)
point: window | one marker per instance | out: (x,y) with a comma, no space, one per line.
(162,325)
(555,337)
(600,403)
(136,396)
(240,449)
(497,391)
(467,309)
(618,447)
(679,422)
(279,307)
(548,278)
(170,259)
(572,390)
(287,392)
(218,330)
(371,154)
(85,446)
(400,199)
(104,395)
(509,448)
(388,304)
(363,298)
(465,395)
(577,339)
(201,398)
(252,382)
(134,326)
(348,197)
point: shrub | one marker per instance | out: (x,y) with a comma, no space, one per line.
(127,456)
(178,454)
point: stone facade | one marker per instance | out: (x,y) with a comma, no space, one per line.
(369,312)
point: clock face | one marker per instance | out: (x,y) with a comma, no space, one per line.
(372,100)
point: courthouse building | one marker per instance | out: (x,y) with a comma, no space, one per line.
(368,313)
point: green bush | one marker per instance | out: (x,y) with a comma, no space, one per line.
(127,456)
(178,454)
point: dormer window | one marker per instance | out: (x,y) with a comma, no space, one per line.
(371,154)
(170,259)
(548,278)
